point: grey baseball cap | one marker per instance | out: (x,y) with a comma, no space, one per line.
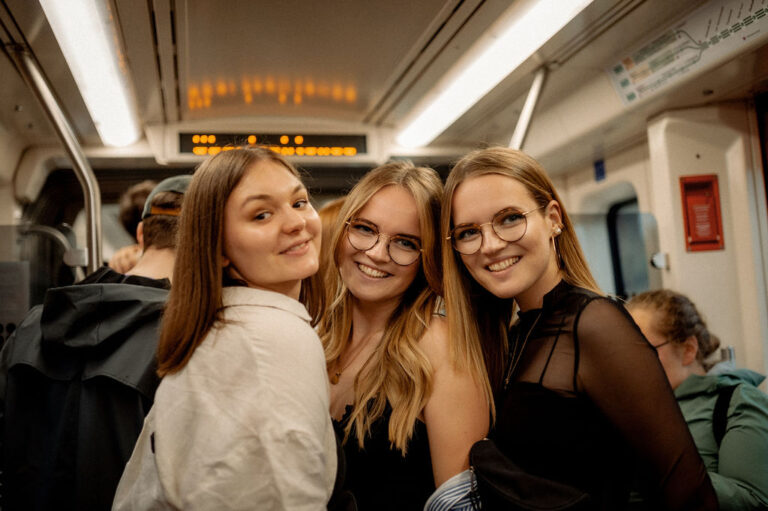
(178,184)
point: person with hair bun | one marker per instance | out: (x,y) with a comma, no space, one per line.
(581,400)
(736,453)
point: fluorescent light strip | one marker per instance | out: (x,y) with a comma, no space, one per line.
(87,39)
(538,21)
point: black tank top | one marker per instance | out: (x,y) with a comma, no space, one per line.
(379,476)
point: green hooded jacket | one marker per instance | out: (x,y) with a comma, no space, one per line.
(739,468)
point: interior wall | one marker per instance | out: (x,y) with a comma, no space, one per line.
(727,285)
(9,214)
(10,153)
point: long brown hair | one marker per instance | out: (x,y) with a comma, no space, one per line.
(397,372)
(194,302)
(473,312)
(677,318)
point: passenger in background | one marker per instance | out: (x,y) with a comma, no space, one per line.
(580,394)
(406,401)
(79,375)
(131,209)
(732,437)
(240,419)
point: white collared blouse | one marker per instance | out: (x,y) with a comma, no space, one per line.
(245,424)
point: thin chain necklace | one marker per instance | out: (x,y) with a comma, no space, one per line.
(334,379)
(518,355)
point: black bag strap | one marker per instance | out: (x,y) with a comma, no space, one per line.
(720,414)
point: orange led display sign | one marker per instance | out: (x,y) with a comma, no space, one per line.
(287,144)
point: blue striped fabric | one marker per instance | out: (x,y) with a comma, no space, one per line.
(452,495)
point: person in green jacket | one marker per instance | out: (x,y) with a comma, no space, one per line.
(738,463)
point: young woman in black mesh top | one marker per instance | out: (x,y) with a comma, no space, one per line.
(580,396)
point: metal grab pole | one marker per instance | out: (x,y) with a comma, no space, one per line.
(524,121)
(34,77)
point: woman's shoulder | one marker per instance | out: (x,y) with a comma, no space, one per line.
(567,298)
(603,319)
(746,395)
(434,342)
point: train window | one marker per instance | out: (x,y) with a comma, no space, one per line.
(114,235)
(593,237)
(633,239)
(761,108)
(618,245)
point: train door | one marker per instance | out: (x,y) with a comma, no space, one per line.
(619,241)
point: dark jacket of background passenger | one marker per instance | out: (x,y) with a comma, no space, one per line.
(76,381)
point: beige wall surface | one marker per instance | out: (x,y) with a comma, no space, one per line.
(727,285)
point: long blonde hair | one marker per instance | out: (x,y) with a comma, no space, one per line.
(397,372)
(194,303)
(474,314)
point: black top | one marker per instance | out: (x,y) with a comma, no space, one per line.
(379,476)
(587,403)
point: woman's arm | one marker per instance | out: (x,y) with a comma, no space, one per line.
(741,479)
(456,413)
(620,372)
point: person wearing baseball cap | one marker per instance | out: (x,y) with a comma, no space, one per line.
(79,374)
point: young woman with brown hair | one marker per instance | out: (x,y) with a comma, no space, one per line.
(407,401)
(726,413)
(579,393)
(240,419)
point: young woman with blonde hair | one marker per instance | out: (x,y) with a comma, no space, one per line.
(580,397)
(240,419)
(408,404)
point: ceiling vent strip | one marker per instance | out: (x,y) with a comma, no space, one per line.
(165,33)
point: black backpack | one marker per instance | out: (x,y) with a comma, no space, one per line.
(720,414)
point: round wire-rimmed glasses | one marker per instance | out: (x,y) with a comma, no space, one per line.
(364,235)
(509,224)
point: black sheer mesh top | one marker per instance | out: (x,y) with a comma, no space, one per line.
(585,401)
(379,476)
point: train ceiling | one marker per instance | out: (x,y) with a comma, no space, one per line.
(365,64)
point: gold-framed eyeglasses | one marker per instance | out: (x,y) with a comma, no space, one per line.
(364,235)
(509,224)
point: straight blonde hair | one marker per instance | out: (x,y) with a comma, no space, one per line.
(194,303)
(397,372)
(474,314)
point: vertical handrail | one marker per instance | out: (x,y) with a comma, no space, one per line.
(524,121)
(33,75)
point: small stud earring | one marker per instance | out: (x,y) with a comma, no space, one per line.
(558,231)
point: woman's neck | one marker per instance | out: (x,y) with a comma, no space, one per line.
(369,320)
(533,297)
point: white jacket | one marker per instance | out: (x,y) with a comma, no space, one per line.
(245,424)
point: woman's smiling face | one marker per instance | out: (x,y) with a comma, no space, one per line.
(525,269)
(271,231)
(371,275)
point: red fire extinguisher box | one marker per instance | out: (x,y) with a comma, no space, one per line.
(701,213)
